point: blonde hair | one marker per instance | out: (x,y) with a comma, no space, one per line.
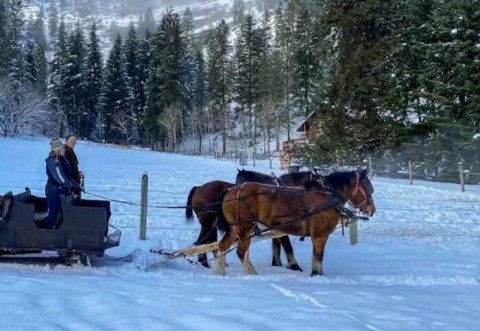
(57,150)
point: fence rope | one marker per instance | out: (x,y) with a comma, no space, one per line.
(334,233)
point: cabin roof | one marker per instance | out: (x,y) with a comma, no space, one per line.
(307,123)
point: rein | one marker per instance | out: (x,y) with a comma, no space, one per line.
(333,202)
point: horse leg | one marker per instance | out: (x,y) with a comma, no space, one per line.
(318,244)
(205,237)
(223,247)
(288,248)
(276,261)
(243,253)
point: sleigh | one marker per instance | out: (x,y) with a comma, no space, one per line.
(83,230)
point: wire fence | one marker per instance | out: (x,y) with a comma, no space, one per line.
(370,232)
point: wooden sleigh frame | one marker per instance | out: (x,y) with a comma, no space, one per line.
(256,237)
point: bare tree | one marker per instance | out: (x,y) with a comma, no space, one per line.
(124,124)
(171,120)
(22,110)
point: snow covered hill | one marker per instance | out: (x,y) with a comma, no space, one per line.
(416,265)
(114,17)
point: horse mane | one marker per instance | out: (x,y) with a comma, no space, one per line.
(340,179)
(253,176)
(295,175)
(312,185)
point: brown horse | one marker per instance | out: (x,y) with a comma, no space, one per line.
(206,201)
(244,176)
(311,213)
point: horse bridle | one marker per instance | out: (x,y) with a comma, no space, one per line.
(359,187)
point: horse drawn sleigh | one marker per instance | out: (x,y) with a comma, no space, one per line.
(82,232)
(256,207)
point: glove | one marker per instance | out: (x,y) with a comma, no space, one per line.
(65,188)
(76,189)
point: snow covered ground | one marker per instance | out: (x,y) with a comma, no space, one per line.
(416,266)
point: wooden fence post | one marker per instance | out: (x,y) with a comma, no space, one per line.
(143,208)
(410,172)
(353,233)
(462,176)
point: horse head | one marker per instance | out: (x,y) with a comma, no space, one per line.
(354,186)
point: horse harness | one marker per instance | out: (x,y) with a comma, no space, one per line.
(335,201)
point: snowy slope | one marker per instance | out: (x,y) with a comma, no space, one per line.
(111,21)
(416,266)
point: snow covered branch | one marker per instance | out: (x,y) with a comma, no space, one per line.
(21,109)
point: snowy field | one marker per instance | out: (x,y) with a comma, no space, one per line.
(416,267)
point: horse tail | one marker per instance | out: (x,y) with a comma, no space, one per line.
(189,208)
(222,222)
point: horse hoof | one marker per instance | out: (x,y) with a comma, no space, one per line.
(316,273)
(206,265)
(294,267)
(276,263)
(220,273)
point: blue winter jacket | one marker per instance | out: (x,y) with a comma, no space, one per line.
(59,173)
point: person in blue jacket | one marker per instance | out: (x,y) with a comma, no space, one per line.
(60,180)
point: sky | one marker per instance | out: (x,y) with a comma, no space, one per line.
(416,265)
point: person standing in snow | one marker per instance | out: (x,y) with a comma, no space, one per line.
(60,180)
(71,157)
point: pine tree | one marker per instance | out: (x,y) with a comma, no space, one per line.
(220,78)
(238,12)
(93,85)
(200,99)
(284,46)
(306,63)
(144,65)
(14,44)
(4,36)
(147,22)
(364,37)
(132,59)
(165,102)
(52,24)
(188,66)
(57,114)
(116,98)
(73,82)
(40,42)
(31,64)
(248,56)
(269,83)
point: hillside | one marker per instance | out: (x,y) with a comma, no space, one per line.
(114,17)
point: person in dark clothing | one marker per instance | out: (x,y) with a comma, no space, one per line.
(60,180)
(71,157)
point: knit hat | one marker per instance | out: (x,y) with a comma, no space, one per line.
(55,143)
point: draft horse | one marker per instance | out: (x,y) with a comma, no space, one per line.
(206,202)
(299,212)
(292,179)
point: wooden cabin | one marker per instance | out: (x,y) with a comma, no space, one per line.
(305,132)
